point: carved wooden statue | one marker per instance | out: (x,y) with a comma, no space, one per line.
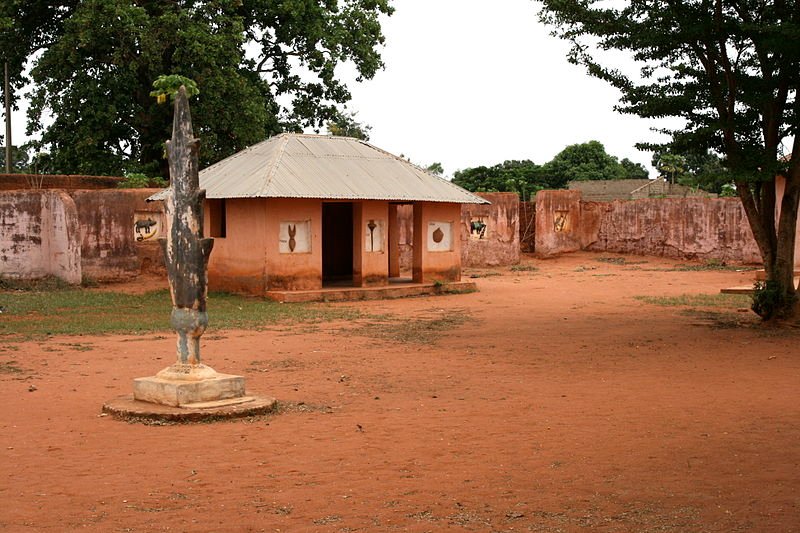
(186,252)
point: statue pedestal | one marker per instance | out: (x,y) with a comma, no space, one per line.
(186,393)
(184,385)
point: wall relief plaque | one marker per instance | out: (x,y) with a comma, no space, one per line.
(295,237)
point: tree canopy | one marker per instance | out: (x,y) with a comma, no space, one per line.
(585,161)
(730,69)
(262,66)
(521,177)
(345,125)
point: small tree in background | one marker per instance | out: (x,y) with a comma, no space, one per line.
(346,125)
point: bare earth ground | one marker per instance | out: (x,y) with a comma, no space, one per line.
(560,404)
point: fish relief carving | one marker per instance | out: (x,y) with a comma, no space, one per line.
(292,241)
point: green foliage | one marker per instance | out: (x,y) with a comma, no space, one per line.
(137,180)
(435,168)
(169,85)
(20,159)
(521,177)
(769,301)
(346,125)
(587,161)
(581,162)
(70,311)
(264,66)
(671,166)
(634,171)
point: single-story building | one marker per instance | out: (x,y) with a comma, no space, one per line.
(303,212)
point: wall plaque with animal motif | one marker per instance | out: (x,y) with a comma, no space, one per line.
(440,236)
(146,225)
(295,237)
(478,228)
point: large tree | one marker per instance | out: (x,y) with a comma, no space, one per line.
(582,162)
(262,66)
(730,69)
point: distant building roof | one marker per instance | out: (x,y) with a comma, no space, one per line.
(609,190)
(606,190)
(292,165)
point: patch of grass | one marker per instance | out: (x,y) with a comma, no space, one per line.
(49,283)
(617,260)
(74,311)
(708,265)
(422,330)
(484,274)
(523,268)
(698,300)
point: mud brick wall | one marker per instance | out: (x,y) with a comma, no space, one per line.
(39,236)
(683,228)
(501,243)
(56,181)
(558,222)
(111,247)
(498,242)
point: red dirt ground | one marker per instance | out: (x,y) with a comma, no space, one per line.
(560,404)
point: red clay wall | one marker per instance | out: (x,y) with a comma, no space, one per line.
(683,228)
(237,261)
(370,268)
(435,263)
(111,247)
(558,222)
(293,270)
(499,243)
(39,236)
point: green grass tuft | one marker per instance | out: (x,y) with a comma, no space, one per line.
(698,300)
(81,312)
(523,268)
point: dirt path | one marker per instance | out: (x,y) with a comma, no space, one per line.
(548,401)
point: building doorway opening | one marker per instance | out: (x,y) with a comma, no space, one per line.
(337,243)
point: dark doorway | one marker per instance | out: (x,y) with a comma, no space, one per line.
(337,243)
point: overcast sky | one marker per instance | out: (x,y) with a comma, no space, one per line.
(473,82)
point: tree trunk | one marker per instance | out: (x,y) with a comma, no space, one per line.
(775,244)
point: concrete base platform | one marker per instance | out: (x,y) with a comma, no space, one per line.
(177,393)
(400,290)
(128,409)
(745,289)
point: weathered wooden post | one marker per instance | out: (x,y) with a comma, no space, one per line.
(188,386)
(186,251)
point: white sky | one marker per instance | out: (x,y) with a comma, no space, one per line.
(473,82)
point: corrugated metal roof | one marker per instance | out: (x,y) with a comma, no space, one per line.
(294,165)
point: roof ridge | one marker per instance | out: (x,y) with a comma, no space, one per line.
(273,165)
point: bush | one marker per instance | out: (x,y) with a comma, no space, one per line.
(768,302)
(137,180)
